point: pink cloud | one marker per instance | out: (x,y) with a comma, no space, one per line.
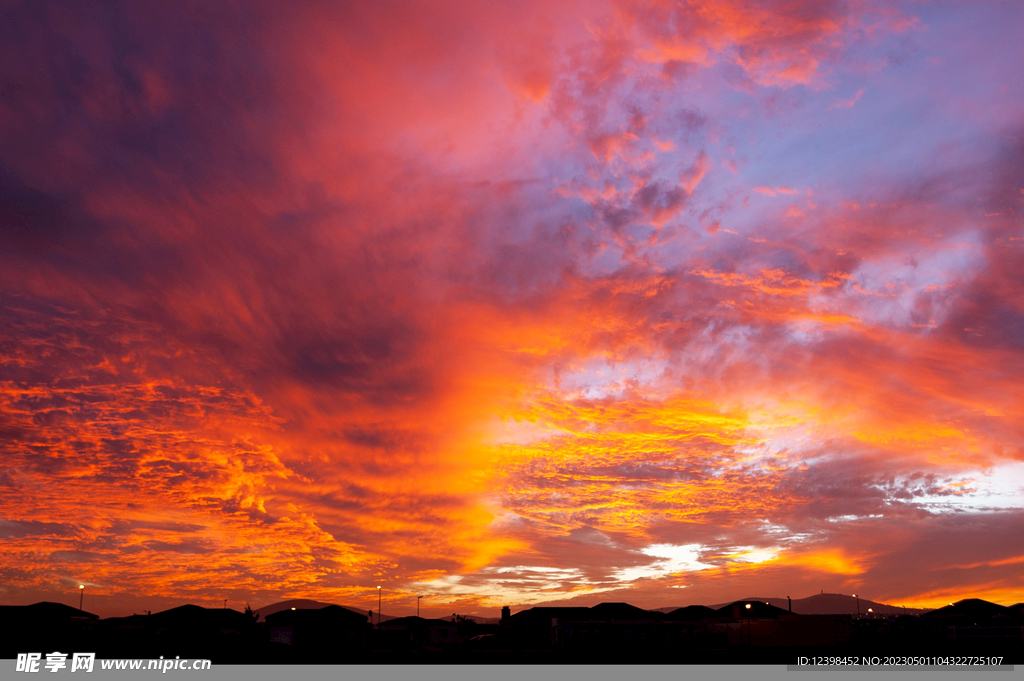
(846,103)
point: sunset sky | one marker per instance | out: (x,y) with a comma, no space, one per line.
(510,303)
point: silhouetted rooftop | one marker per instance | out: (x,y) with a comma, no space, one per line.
(974,608)
(414,622)
(757,610)
(187,617)
(331,615)
(43,611)
(692,613)
(307,604)
(622,611)
(544,613)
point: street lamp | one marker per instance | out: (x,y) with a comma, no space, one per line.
(81,595)
(378,605)
(418,605)
(858,605)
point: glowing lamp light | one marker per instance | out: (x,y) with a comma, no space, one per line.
(293,608)
(748,606)
(81,586)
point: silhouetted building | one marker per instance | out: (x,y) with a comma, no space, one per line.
(33,627)
(973,611)
(602,629)
(533,628)
(329,631)
(44,612)
(623,611)
(418,632)
(611,626)
(692,613)
(191,629)
(759,610)
(753,623)
(193,618)
(975,622)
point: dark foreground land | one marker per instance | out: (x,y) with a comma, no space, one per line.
(744,632)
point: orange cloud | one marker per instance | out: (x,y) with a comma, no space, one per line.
(834,561)
(451,297)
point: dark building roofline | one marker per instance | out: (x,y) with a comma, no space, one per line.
(327,615)
(44,610)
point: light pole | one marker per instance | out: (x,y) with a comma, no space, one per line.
(418,605)
(378,605)
(858,605)
(81,595)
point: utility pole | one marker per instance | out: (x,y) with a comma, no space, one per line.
(418,605)
(378,605)
(81,595)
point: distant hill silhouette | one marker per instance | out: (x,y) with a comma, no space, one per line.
(306,604)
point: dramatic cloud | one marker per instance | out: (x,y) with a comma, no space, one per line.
(668,302)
